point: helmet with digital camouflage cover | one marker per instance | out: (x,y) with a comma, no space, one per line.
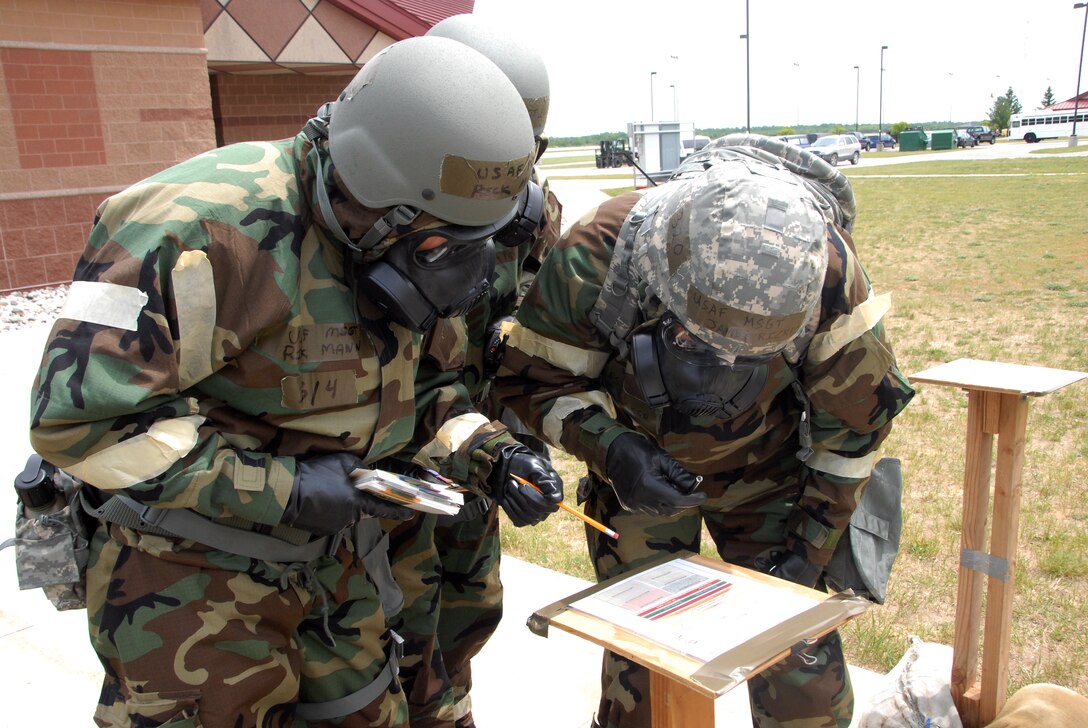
(738,254)
(432,124)
(830,186)
(522,64)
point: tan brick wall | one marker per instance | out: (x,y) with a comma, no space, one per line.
(273,106)
(94,96)
(147,23)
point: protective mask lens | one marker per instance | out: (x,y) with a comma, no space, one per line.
(687,347)
(697,380)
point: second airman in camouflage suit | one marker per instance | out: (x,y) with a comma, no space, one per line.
(749,305)
(453,593)
(236,341)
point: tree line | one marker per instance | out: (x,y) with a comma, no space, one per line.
(997,118)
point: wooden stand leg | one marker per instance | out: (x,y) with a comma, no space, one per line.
(674,705)
(1006,526)
(983,409)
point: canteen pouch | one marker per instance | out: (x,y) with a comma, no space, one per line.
(52,548)
(864,556)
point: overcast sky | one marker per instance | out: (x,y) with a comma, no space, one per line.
(945,60)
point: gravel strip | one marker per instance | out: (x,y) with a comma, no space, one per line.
(32,307)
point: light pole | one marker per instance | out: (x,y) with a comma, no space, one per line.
(1076,99)
(652,74)
(880,122)
(857,95)
(747,71)
(951,95)
(675,111)
(797,98)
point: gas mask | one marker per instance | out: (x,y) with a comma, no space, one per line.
(418,281)
(528,215)
(674,368)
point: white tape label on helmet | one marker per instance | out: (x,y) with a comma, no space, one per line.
(479,180)
(104,303)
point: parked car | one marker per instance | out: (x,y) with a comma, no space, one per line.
(964,139)
(889,140)
(833,147)
(690,146)
(862,139)
(982,134)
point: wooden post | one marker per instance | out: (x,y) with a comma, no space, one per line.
(997,404)
(675,705)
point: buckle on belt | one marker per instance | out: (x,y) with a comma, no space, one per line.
(156,515)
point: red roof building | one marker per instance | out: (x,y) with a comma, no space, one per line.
(102,93)
(1069,104)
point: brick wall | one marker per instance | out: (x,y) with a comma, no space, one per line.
(270,107)
(94,96)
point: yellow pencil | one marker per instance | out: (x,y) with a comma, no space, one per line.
(576,513)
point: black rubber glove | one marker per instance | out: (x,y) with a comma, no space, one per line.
(524,505)
(647,479)
(785,564)
(324,501)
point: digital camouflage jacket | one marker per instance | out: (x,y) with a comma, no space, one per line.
(564,379)
(211,337)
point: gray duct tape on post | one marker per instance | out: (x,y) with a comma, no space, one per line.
(994,567)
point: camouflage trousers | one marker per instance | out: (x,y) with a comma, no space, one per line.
(809,689)
(190,636)
(448,571)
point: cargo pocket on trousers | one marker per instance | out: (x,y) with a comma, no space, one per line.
(169,710)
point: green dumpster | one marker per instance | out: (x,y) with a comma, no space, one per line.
(912,141)
(942,139)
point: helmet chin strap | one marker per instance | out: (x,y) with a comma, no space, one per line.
(316,129)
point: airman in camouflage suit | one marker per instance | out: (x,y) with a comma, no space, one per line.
(739,272)
(448,566)
(227,357)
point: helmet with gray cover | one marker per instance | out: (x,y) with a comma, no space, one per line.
(521,64)
(433,124)
(738,253)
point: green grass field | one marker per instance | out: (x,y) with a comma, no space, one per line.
(990,267)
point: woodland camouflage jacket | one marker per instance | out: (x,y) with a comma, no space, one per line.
(211,337)
(564,379)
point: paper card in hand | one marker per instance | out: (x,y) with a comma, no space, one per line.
(422,495)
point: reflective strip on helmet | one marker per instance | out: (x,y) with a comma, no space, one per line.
(832,464)
(580,362)
(142,457)
(566,405)
(102,303)
(480,180)
(193,284)
(846,328)
(456,432)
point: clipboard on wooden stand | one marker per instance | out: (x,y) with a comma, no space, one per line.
(997,409)
(699,625)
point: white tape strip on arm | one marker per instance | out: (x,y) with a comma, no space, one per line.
(194,289)
(142,457)
(107,304)
(567,405)
(864,317)
(832,464)
(580,362)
